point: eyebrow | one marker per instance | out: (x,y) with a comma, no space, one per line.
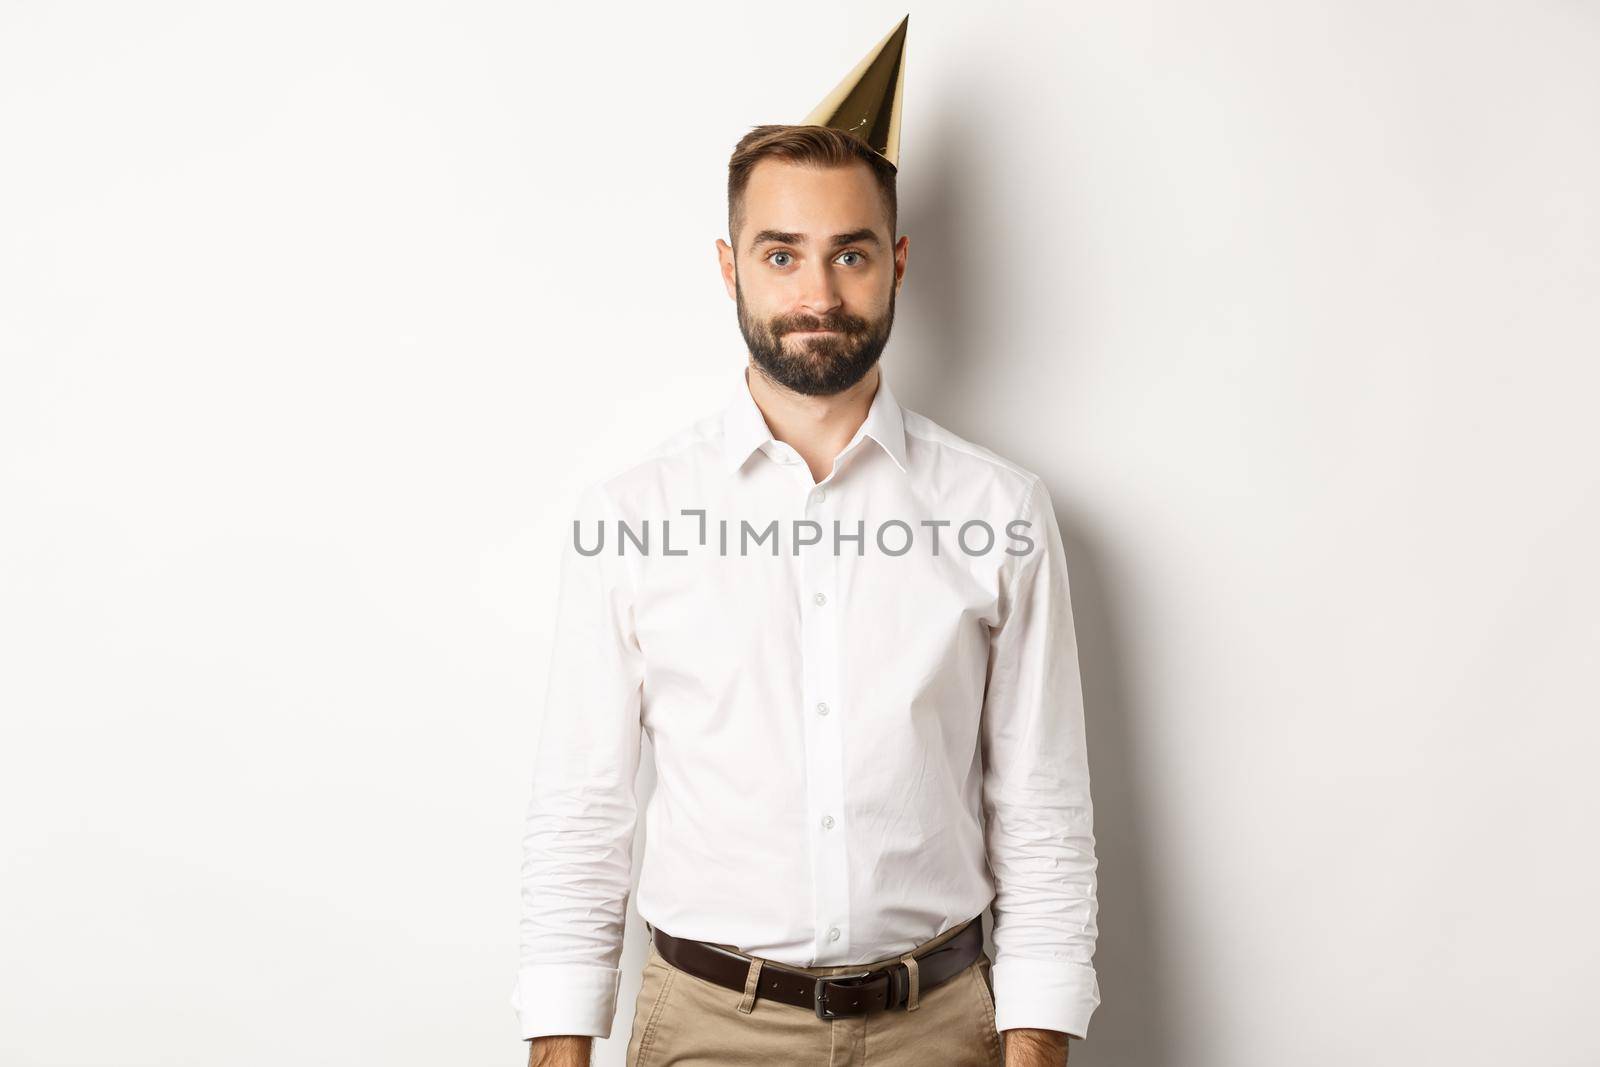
(784,237)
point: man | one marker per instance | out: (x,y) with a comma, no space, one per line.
(866,714)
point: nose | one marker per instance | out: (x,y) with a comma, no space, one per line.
(819,294)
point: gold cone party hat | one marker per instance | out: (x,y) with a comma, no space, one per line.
(867,102)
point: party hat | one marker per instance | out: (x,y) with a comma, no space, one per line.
(867,102)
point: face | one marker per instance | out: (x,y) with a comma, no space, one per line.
(814,276)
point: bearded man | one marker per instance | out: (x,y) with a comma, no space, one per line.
(867,728)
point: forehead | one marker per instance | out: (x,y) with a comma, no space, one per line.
(810,199)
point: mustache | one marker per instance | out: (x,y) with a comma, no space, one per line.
(840,323)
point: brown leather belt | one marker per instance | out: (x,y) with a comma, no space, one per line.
(871,989)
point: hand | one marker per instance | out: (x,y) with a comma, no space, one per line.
(560,1051)
(1035,1048)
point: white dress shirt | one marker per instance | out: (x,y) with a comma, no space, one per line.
(855,751)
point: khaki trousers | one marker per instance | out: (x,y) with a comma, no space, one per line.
(680,1020)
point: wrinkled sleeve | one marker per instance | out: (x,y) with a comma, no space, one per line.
(577,844)
(1036,804)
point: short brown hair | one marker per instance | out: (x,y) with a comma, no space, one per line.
(821,146)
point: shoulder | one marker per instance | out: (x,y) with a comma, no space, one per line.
(950,459)
(677,458)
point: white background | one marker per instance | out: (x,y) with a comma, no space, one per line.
(315,316)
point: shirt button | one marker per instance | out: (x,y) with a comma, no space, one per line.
(820,598)
(827,822)
(822,708)
(822,494)
(833,933)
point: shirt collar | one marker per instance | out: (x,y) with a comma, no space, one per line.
(744,429)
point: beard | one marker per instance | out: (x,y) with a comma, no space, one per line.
(819,365)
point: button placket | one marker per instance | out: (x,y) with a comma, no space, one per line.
(820,638)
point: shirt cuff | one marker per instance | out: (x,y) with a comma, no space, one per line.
(1044,995)
(565,998)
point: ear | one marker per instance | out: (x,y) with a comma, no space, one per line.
(729,268)
(900,247)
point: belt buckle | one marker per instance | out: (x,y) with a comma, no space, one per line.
(821,1004)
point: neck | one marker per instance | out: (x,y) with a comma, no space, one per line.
(817,427)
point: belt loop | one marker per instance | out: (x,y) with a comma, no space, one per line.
(910,961)
(748,1003)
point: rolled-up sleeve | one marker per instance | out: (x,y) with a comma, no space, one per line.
(1039,817)
(577,846)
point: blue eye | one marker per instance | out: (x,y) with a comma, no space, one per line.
(772,257)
